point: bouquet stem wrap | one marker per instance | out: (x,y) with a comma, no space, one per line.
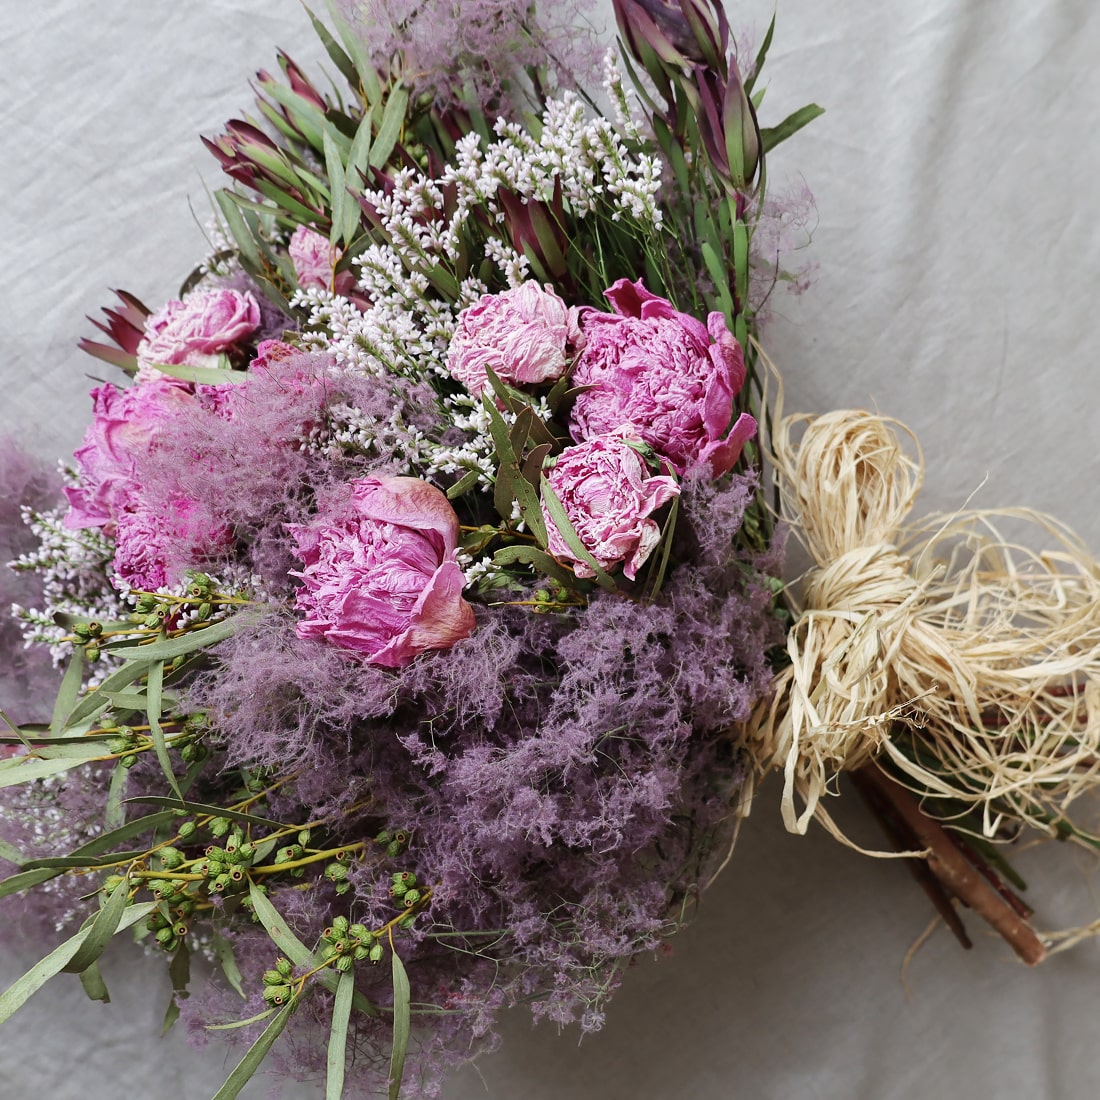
(970,662)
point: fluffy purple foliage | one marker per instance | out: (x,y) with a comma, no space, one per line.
(563,778)
(27,681)
(481,45)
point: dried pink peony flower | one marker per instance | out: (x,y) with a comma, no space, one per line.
(124,426)
(380,575)
(665,373)
(313,257)
(607,492)
(154,546)
(526,335)
(195,330)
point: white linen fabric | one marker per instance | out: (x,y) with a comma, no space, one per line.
(957,245)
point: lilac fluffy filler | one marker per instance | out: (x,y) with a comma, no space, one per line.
(565,780)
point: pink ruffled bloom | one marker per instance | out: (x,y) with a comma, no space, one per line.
(607,492)
(313,257)
(196,330)
(526,335)
(666,374)
(380,575)
(154,546)
(124,426)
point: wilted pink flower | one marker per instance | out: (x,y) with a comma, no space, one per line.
(124,426)
(607,492)
(380,575)
(195,330)
(313,257)
(154,546)
(526,335)
(666,374)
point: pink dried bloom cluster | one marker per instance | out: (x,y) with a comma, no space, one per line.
(608,494)
(673,379)
(197,329)
(526,336)
(380,575)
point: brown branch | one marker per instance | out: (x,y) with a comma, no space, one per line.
(954,871)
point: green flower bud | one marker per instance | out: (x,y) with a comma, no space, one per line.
(204,612)
(117,745)
(273,977)
(341,925)
(128,761)
(145,604)
(343,887)
(170,857)
(398,890)
(155,621)
(220,883)
(336,872)
(358,932)
(383,837)
(276,994)
(344,963)
(111,883)
(411,898)
(303,837)
(219,826)
(360,953)
(91,652)
(328,952)
(186,829)
(376,953)
(284,967)
(164,935)
(245,852)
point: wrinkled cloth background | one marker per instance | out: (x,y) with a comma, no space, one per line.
(958,244)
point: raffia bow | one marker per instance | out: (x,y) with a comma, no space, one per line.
(969,661)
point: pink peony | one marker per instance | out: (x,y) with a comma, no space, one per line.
(195,330)
(607,492)
(380,575)
(124,426)
(527,335)
(314,259)
(154,547)
(665,373)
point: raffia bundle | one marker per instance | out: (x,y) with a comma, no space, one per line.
(970,662)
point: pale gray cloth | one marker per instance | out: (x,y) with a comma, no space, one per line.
(957,245)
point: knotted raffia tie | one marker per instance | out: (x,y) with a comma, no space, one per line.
(972,662)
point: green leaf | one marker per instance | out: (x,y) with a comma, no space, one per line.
(94,985)
(241,1023)
(195,638)
(400,1024)
(255,1054)
(357,51)
(358,161)
(337,189)
(179,969)
(238,228)
(389,129)
(761,54)
(114,815)
(718,272)
(171,1015)
(519,488)
(97,700)
(569,533)
(69,691)
(223,952)
(203,808)
(12,855)
(278,929)
(773,135)
(154,687)
(339,58)
(207,376)
(338,1036)
(464,484)
(540,559)
(25,769)
(103,927)
(15,884)
(66,863)
(30,983)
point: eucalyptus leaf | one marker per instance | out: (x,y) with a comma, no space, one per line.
(338,1036)
(15,884)
(334,165)
(358,52)
(237,1024)
(94,985)
(204,808)
(207,376)
(113,814)
(401,1023)
(171,1015)
(169,648)
(539,559)
(102,928)
(464,484)
(69,691)
(17,994)
(238,228)
(27,768)
(95,701)
(278,929)
(568,532)
(223,952)
(255,1054)
(154,688)
(12,855)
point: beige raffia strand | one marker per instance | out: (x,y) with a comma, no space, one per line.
(972,662)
